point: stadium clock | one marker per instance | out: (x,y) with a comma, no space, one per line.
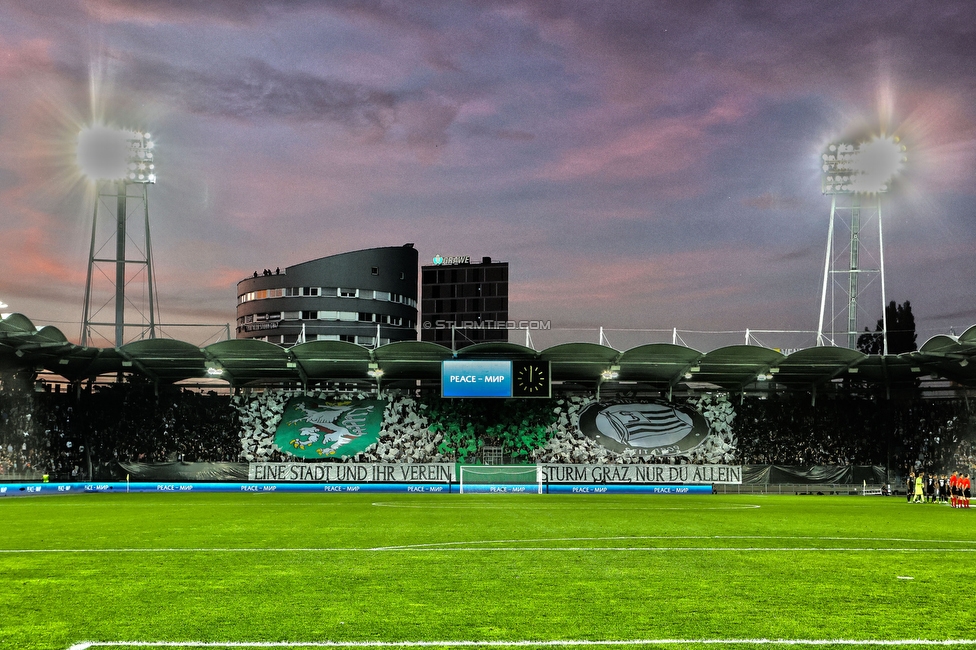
(530,378)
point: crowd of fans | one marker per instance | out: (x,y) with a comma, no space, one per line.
(84,433)
(71,436)
(913,434)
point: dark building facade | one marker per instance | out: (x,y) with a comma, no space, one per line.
(367,297)
(463,302)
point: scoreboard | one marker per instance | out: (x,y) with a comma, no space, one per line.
(495,378)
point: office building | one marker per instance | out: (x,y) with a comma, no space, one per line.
(367,297)
(463,303)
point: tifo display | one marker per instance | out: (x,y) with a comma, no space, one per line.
(404,440)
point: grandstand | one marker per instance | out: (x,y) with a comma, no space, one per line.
(104,431)
(585,564)
(83,414)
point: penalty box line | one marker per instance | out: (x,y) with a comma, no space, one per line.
(86,645)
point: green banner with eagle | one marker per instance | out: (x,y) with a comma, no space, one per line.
(319,428)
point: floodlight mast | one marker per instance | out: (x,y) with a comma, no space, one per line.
(861,173)
(119,161)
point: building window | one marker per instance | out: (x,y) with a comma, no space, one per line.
(374,270)
(311,291)
(310,315)
(261,295)
(348,293)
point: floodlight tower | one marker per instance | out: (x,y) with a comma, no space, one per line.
(122,166)
(855,176)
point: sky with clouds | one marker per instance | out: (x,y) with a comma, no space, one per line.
(641,165)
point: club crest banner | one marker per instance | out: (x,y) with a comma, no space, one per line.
(315,428)
(650,429)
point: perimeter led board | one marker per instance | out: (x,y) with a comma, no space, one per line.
(474,378)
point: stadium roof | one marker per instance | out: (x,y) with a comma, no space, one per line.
(243,362)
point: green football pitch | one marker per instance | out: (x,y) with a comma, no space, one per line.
(309,571)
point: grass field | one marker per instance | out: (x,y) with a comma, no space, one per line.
(527,571)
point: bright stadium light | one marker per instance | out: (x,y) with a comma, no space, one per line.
(864,168)
(106,154)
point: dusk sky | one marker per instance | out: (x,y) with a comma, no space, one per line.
(640,165)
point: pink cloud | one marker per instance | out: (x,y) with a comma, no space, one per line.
(770,201)
(651,148)
(939,131)
(153,12)
(647,150)
(587,283)
(25,58)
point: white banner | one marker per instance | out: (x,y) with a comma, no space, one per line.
(353,472)
(623,474)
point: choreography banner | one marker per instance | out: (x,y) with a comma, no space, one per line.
(315,428)
(646,428)
(353,472)
(626,474)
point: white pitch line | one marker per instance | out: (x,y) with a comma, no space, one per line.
(509,545)
(672,537)
(85,645)
(505,549)
(503,545)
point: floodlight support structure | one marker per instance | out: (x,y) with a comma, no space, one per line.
(853,270)
(864,170)
(126,204)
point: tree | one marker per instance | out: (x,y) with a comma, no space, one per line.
(901,332)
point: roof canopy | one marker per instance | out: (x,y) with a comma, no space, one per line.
(243,362)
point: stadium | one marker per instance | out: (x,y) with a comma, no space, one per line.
(327,480)
(380,453)
(336,495)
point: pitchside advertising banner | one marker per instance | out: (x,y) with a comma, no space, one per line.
(447,473)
